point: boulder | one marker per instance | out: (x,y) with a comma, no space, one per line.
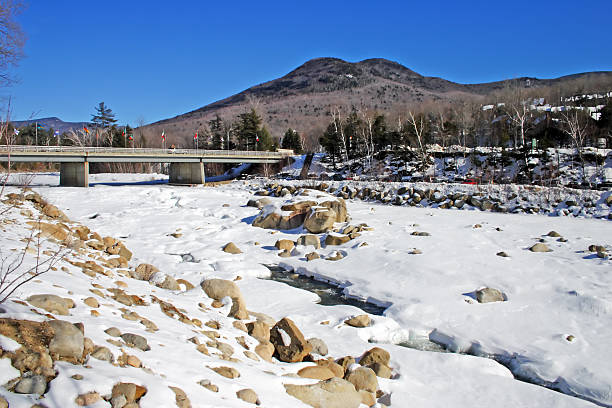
(102,353)
(52,231)
(136,340)
(285,244)
(363,378)
(269,218)
(284,253)
(540,247)
(219,288)
(259,330)
(52,211)
(381,370)
(359,321)
(375,355)
(487,295)
(227,372)
(309,239)
(130,391)
(289,342)
(51,303)
(320,219)
(338,206)
(312,256)
(180,397)
(231,248)
(553,234)
(89,398)
(336,239)
(335,368)
(67,341)
(144,272)
(318,346)
(316,373)
(301,206)
(248,395)
(265,350)
(34,384)
(332,393)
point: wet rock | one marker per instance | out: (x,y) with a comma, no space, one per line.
(540,247)
(359,321)
(375,355)
(320,220)
(231,248)
(135,340)
(288,341)
(51,303)
(318,346)
(309,239)
(68,340)
(316,372)
(248,395)
(332,393)
(363,378)
(487,295)
(144,272)
(35,384)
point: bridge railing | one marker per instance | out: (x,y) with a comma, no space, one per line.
(140,151)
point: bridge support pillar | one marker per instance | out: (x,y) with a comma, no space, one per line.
(186,173)
(74,174)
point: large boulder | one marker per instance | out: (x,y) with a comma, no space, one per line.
(336,239)
(339,207)
(51,303)
(144,272)
(332,393)
(273,218)
(375,355)
(363,378)
(217,289)
(289,342)
(309,239)
(320,219)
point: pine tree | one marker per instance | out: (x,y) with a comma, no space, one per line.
(248,126)
(104,116)
(265,140)
(292,140)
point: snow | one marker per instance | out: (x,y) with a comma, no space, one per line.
(550,296)
(8,344)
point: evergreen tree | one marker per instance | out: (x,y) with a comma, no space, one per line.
(292,140)
(217,131)
(331,141)
(104,116)
(265,140)
(247,128)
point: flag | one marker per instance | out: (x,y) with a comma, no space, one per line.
(39,126)
(85,129)
(163,135)
(56,133)
(130,137)
(16,132)
(195,136)
(257,139)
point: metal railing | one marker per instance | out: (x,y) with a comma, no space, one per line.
(141,151)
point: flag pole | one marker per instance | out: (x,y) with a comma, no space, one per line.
(36,142)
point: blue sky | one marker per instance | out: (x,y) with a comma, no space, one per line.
(153,60)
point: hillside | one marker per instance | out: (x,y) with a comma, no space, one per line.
(302,98)
(53,122)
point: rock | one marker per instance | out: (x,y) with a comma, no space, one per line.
(113,331)
(502,254)
(3,403)
(359,321)
(487,295)
(363,378)
(118,401)
(368,398)
(335,256)
(206,384)
(125,253)
(320,220)
(91,302)
(144,272)
(52,211)
(312,256)
(270,219)
(102,353)
(68,340)
(316,372)
(597,248)
(289,341)
(89,398)
(285,244)
(180,398)
(51,303)
(51,231)
(336,239)
(345,362)
(169,283)
(309,239)
(381,370)
(265,350)
(227,372)
(554,234)
(318,346)
(231,248)
(248,395)
(240,325)
(132,392)
(540,247)
(375,355)
(135,340)
(35,384)
(284,254)
(301,206)
(335,368)
(332,393)
(259,330)
(219,288)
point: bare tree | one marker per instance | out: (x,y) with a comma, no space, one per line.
(11,39)
(338,122)
(417,124)
(575,124)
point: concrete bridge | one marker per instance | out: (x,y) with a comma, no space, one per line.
(186,165)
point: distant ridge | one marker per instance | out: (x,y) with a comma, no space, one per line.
(52,122)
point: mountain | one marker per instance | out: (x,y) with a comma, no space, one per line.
(302,98)
(53,122)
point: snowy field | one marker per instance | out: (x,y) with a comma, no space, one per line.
(554,329)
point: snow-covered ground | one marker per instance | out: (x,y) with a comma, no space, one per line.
(550,296)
